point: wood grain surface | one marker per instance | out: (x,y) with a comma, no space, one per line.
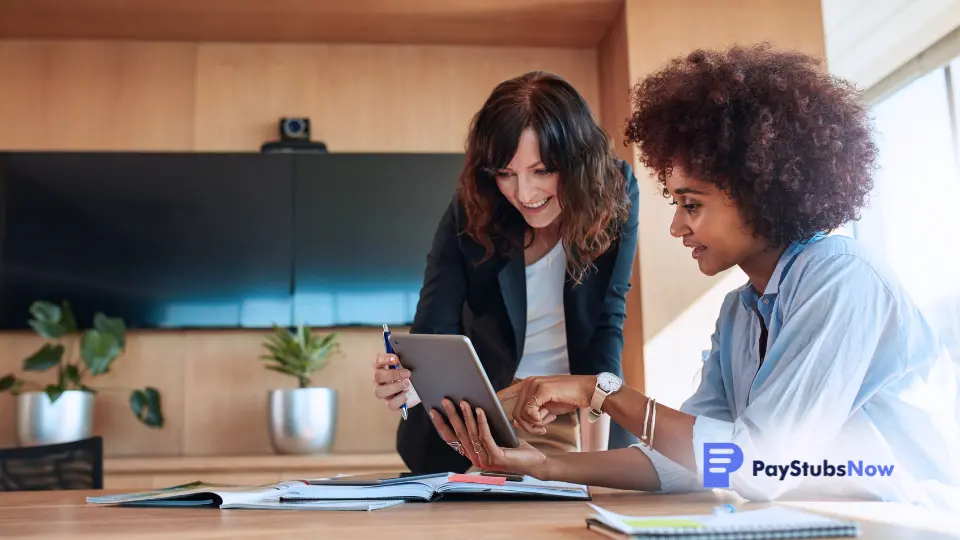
(65,515)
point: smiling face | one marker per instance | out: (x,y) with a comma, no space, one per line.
(711,225)
(529,186)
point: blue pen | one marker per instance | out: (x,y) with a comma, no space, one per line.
(724,510)
(389,349)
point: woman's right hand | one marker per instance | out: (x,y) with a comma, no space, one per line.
(393,385)
(469,434)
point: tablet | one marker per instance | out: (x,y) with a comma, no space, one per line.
(447,366)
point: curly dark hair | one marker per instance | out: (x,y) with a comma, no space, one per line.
(790,143)
(592,190)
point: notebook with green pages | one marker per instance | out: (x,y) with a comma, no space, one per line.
(770,522)
(428,489)
(225,496)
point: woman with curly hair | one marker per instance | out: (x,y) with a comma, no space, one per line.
(532,260)
(823,377)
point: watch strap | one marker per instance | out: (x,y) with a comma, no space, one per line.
(596,402)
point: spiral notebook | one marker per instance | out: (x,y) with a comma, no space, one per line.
(772,522)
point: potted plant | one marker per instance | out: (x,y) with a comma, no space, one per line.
(302,420)
(62,411)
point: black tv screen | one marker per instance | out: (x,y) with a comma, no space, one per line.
(363,230)
(220,240)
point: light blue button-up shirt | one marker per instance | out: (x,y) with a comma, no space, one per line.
(852,372)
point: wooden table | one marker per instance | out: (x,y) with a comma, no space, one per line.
(65,515)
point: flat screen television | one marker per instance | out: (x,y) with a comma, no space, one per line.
(363,229)
(220,240)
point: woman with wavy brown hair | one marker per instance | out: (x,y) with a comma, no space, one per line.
(532,260)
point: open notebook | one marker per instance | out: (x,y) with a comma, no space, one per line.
(772,522)
(265,497)
(431,489)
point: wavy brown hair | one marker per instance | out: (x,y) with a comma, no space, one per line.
(774,129)
(591,192)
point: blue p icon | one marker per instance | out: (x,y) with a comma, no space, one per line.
(719,460)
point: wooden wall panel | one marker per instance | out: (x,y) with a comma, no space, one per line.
(96,95)
(362,98)
(157,359)
(78,95)
(226,388)
(613,63)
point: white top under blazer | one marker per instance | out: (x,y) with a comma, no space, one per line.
(545,345)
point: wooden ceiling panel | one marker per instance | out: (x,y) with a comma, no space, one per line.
(549,23)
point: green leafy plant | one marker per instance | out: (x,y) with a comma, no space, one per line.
(299,352)
(99,347)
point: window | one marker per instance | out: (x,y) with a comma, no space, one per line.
(913,218)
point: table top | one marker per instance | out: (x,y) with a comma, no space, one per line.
(65,514)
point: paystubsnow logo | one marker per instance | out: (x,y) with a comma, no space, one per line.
(719,460)
(722,459)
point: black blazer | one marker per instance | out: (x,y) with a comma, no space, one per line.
(487,302)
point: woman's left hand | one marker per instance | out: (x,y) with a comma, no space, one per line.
(471,437)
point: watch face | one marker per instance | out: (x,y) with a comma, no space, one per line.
(609,382)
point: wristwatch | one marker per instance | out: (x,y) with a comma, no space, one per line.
(607,383)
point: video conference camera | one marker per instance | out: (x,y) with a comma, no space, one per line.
(294,136)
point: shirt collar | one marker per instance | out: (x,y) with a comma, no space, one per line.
(749,297)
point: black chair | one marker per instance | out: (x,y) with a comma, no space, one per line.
(71,465)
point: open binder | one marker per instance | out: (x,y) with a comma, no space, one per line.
(225,497)
(472,485)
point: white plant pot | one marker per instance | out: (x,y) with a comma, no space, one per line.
(41,422)
(302,420)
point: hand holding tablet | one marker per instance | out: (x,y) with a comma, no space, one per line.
(447,367)
(462,404)
(468,431)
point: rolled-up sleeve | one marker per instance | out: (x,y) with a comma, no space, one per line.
(674,478)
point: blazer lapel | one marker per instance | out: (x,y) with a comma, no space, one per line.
(583,304)
(575,303)
(513,287)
